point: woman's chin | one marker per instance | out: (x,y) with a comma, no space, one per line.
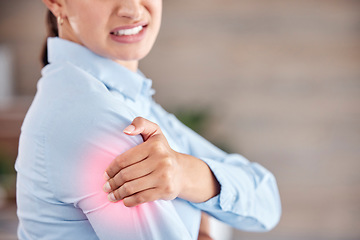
(133,56)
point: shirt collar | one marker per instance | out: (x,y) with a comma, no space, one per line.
(112,74)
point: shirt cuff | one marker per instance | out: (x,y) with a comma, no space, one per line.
(226,199)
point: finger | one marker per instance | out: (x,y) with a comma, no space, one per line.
(129,173)
(126,159)
(144,127)
(148,195)
(132,187)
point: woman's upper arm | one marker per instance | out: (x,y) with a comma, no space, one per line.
(80,145)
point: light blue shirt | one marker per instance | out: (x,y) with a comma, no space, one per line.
(73,130)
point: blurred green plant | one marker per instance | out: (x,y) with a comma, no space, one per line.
(6,166)
(199,121)
(196,119)
(7,174)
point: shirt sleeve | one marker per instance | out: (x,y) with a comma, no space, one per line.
(82,141)
(249,199)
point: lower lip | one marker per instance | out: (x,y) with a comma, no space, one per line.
(130,38)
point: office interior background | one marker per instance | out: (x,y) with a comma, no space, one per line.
(275,80)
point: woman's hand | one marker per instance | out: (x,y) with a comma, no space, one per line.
(147,172)
(152,171)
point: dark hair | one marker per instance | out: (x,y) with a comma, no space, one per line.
(52,30)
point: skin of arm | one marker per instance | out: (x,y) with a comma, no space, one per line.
(204,231)
(152,171)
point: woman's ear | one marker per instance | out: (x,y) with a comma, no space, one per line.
(55,6)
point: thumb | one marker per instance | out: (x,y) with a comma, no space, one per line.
(144,127)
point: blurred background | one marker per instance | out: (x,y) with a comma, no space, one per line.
(275,80)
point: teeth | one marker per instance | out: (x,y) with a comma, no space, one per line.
(131,31)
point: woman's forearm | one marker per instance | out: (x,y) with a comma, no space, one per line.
(199,183)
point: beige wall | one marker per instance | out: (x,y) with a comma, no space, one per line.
(22,29)
(282,80)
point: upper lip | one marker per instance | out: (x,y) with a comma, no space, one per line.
(129,26)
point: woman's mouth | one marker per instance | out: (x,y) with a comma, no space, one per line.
(129,34)
(131,31)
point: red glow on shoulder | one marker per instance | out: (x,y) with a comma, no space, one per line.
(95,203)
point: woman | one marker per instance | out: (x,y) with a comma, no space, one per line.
(90,168)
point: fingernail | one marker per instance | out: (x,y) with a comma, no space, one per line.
(111,197)
(106,176)
(107,187)
(129,129)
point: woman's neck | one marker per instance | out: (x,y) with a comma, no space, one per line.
(131,65)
